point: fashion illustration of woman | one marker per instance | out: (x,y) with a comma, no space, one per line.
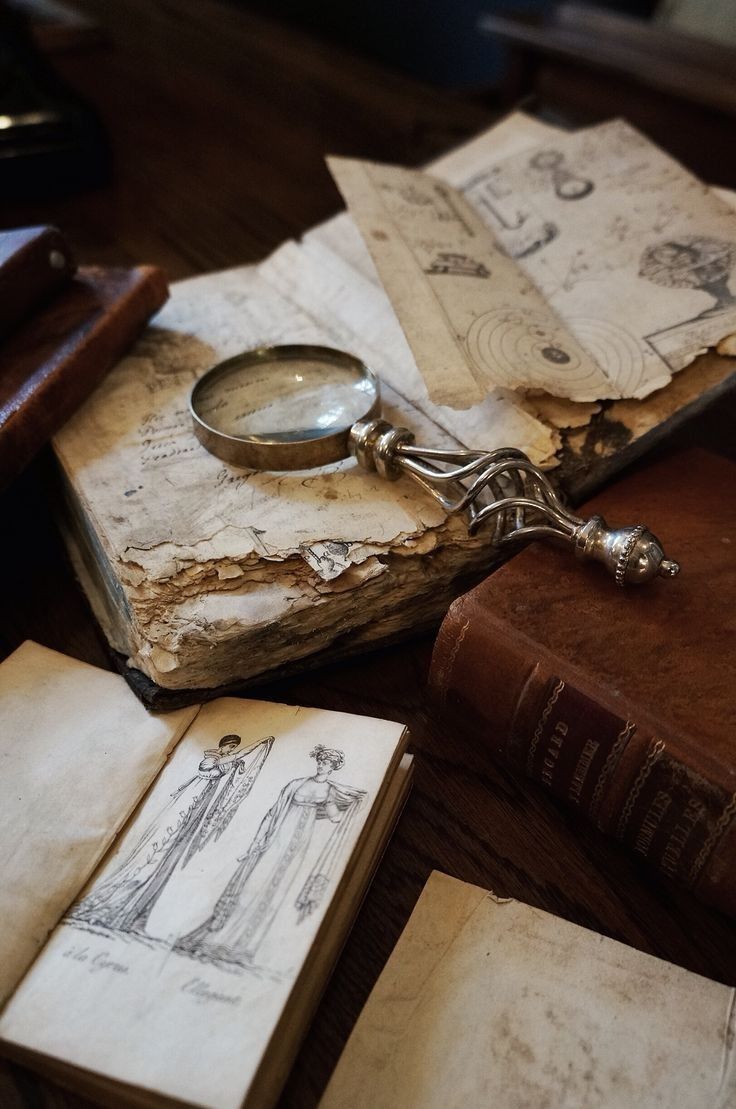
(197,812)
(269,870)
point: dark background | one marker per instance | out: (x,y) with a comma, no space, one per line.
(217,118)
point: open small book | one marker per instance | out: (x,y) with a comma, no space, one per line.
(489,1002)
(176,889)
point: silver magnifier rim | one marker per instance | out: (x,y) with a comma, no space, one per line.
(260,452)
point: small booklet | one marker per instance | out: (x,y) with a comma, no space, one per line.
(489,1002)
(176,889)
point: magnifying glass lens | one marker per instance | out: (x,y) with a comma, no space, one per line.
(285,401)
(288,407)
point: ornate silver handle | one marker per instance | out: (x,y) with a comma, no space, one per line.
(504,487)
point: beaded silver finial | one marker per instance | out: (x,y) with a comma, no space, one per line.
(505,488)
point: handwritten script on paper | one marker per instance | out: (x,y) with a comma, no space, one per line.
(218,573)
(590,266)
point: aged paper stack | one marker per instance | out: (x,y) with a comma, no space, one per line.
(615,276)
(489,1002)
(176,889)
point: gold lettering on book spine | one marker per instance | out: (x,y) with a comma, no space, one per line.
(652,821)
(552,700)
(654,754)
(694,813)
(609,765)
(581,770)
(702,857)
(553,751)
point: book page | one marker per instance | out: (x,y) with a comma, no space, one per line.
(451,285)
(78,752)
(319,280)
(172,970)
(349,285)
(205,569)
(640,256)
(611,280)
(458,167)
(133,443)
(486,1001)
(204,574)
(202,551)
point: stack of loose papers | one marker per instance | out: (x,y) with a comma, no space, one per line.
(202,574)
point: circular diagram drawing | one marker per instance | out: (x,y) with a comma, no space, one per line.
(516,347)
(618,353)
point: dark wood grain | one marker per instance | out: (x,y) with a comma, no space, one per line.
(219,121)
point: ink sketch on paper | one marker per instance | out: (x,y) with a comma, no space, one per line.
(252,885)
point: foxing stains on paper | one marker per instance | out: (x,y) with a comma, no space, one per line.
(591,268)
(486,1001)
(608,270)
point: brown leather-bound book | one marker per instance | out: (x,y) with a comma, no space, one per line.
(53,360)
(34,263)
(621,702)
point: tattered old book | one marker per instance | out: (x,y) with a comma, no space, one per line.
(175,889)
(489,1002)
(548,291)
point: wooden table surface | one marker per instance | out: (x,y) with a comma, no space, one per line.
(219,121)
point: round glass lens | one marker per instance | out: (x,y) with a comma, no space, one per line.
(283,398)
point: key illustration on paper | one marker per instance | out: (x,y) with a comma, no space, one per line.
(274,865)
(567,185)
(499,207)
(197,812)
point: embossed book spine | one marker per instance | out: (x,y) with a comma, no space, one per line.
(621,704)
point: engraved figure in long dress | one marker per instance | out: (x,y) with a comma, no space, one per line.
(273,865)
(199,811)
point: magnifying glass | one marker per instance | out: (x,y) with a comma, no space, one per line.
(297,407)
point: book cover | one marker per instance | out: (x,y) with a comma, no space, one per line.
(620,704)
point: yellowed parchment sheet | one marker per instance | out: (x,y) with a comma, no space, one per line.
(487,1001)
(77,751)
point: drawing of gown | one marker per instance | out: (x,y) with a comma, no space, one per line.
(197,812)
(259,886)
